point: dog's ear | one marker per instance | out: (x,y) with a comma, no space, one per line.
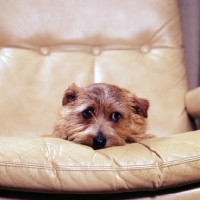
(70,94)
(140,106)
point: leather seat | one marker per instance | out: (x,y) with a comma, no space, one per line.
(47,45)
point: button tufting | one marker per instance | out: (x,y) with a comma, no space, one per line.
(145,48)
(45,51)
(96,50)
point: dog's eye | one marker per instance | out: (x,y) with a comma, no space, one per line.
(87,114)
(115,116)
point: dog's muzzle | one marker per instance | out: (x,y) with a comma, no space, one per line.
(99,141)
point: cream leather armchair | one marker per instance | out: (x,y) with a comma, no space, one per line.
(45,46)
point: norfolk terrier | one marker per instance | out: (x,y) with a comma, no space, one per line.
(101,115)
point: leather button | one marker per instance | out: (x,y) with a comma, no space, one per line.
(45,51)
(96,51)
(145,48)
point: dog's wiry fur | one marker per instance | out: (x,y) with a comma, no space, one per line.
(101,115)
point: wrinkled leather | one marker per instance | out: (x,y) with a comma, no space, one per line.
(56,165)
(45,46)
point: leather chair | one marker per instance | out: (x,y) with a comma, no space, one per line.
(45,46)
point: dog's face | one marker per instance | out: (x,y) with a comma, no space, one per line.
(101,115)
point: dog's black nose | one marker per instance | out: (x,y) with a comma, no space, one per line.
(99,141)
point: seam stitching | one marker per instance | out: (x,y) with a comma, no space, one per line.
(102,168)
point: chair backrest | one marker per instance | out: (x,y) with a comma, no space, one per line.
(47,45)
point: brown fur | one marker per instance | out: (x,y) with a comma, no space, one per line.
(101,111)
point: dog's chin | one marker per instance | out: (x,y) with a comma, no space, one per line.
(88,140)
(113,143)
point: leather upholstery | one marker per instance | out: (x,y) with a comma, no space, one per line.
(55,165)
(53,49)
(45,46)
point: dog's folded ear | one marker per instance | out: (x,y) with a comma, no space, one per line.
(140,106)
(70,94)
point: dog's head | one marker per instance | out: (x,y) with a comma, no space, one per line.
(101,115)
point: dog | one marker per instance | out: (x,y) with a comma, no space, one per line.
(101,115)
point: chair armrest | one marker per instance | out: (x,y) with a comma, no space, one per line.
(193,103)
(59,166)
